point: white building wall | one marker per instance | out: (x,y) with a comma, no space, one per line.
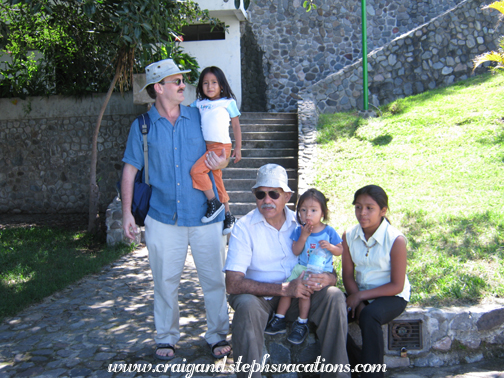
(224,54)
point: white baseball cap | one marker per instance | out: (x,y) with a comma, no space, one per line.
(272,176)
(157,71)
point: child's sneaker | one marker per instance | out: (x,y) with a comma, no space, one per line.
(298,334)
(214,208)
(275,326)
(229,222)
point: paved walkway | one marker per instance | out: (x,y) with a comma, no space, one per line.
(108,318)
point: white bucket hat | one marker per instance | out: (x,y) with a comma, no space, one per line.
(157,71)
(272,176)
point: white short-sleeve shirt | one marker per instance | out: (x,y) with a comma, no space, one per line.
(259,250)
(215,118)
(374,270)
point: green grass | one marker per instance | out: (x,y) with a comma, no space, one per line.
(36,262)
(440,157)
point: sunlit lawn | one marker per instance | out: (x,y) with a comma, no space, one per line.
(440,157)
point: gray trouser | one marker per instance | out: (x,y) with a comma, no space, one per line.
(327,311)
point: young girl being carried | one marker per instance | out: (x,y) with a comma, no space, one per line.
(311,210)
(217,105)
(375,253)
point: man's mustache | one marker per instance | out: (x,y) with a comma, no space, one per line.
(268,206)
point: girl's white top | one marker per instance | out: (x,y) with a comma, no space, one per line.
(374,270)
(215,118)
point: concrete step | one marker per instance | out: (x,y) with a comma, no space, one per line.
(256,162)
(267,117)
(267,128)
(267,152)
(277,135)
(266,138)
(251,143)
(250,173)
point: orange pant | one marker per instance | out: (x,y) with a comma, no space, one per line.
(199,172)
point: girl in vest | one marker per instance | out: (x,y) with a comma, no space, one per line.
(374,274)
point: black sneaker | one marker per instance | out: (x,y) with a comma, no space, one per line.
(276,326)
(229,222)
(298,334)
(214,208)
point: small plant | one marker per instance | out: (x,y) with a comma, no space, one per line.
(309,5)
(493,56)
(23,76)
(395,107)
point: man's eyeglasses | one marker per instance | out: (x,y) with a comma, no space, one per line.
(177,82)
(272,194)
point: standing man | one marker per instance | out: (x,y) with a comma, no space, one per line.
(259,260)
(174,219)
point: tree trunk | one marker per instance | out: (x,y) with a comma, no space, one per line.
(94,191)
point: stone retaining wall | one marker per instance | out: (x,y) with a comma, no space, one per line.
(455,335)
(300,48)
(45,151)
(433,55)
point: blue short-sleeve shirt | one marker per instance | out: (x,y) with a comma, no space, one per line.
(328,233)
(173,149)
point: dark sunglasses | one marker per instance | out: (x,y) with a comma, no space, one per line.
(177,82)
(272,194)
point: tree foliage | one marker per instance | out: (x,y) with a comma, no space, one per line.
(123,34)
(73,47)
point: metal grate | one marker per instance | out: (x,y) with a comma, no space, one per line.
(405,334)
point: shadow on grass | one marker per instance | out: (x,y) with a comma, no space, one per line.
(453,260)
(498,139)
(36,262)
(382,140)
(338,126)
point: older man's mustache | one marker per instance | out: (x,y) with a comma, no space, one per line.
(268,206)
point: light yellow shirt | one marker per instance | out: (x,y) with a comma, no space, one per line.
(373,270)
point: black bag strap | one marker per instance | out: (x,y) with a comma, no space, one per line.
(144,126)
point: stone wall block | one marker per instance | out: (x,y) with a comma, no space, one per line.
(443,345)
(491,320)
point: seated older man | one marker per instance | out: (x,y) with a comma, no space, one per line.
(259,260)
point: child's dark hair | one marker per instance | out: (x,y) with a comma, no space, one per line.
(376,193)
(221,79)
(316,196)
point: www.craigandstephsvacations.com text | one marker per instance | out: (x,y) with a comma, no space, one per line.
(238,367)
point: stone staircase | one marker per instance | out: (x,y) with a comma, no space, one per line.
(266,138)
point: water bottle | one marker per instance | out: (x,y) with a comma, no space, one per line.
(316,262)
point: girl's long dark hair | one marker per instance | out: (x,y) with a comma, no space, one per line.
(376,193)
(315,195)
(226,91)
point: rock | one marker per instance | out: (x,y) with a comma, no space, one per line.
(444,344)
(491,320)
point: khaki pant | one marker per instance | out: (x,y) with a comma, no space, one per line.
(327,311)
(167,245)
